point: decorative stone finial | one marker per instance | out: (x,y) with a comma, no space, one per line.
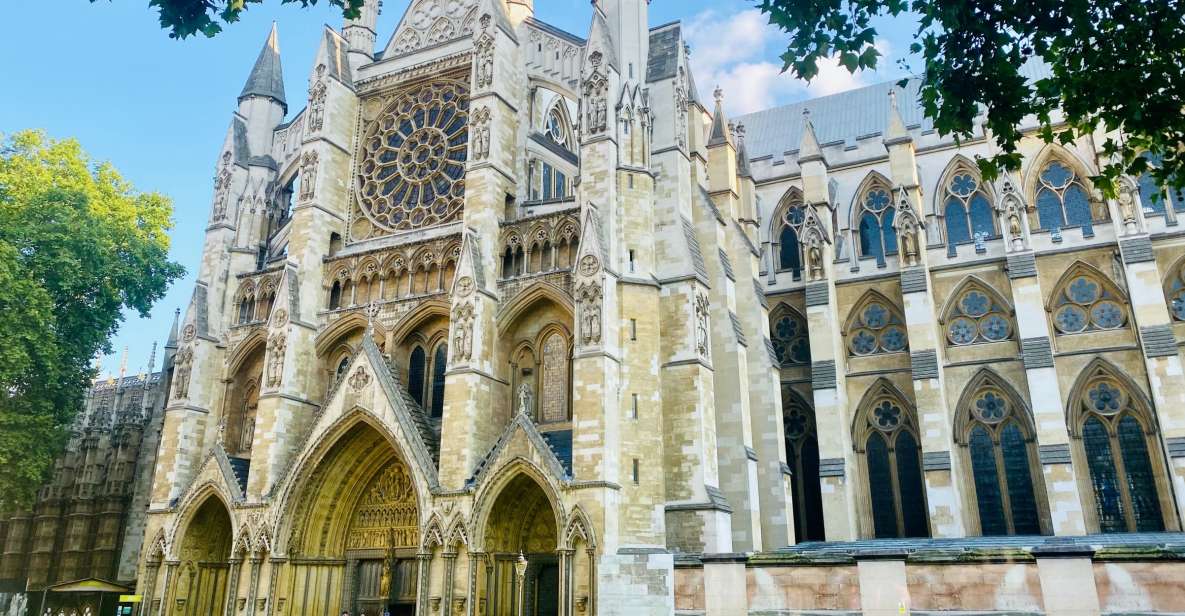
(718,93)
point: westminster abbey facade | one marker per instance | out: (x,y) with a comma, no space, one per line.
(511,321)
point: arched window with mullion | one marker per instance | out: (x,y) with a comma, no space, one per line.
(1154,195)
(967,209)
(996,433)
(1116,436)
(788,333)
(887,435)
(1062,199)
(1174,290)
(877,237)
(788,222)
(802,456)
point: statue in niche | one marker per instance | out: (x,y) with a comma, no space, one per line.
(909,243)
(275,363)
(526,399)
(814,261)
(385,580)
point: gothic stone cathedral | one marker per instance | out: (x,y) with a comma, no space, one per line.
(507,321)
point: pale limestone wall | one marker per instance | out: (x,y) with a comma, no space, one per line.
(656,203)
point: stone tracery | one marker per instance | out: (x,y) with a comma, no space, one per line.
(413,158)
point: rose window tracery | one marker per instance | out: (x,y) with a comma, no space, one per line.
(977,318)
(877,330)
(413,159)
(1086,304)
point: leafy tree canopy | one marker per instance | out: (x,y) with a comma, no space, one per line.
(183,18)
(78,245)
(1114,64)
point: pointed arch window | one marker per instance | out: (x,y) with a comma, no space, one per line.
(417,368)
(892,458)
(977,317)
(1153,195)
(1118,440)
(877,236)
(802,456)
(342,366)
(967,210)
(1062,198)
(1084,303)
(998,440)
(439,363)
(791,343)
(1175,292)
(790,229)
(876,327)
(335,295)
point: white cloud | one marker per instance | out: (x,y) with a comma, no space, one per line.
(739,52)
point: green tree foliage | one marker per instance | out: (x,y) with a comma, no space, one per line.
(1114,64)
(78,245)
(183,18)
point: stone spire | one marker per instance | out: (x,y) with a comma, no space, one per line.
(897,130)
(267,77)
(152,359)
(720,130)
(171,343)
(808,148)
(742,154)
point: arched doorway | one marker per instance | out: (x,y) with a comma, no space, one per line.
(520,541)
(202,573)
(355,531)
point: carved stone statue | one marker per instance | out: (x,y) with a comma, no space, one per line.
(526,399)
(463,336)
(909,244)
(385,580)
(183,367)
(275,362)
(1014,225)
(701,324)
(814,261)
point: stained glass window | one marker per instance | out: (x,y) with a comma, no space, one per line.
(1175,290)
(439,364)
(789,250)
(998,437)
(416,368)
(877,329)
(968,210)
(1085,303)
(1062,200)
(893,457)
(802,455)
(976,317)
(1153,196)
(877,237)
(791,343)
(1123,477)
(880,484)
(413,158)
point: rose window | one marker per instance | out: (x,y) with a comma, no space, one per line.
(1085,304)
(413,159)
(878,330)
(977,318)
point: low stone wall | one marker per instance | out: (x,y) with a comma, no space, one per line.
(1078,576)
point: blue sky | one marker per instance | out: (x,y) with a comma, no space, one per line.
(106,74)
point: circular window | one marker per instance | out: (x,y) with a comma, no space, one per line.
(413,160)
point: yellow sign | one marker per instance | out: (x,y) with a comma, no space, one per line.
(130,598)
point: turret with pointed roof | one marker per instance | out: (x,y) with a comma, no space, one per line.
(267,76)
